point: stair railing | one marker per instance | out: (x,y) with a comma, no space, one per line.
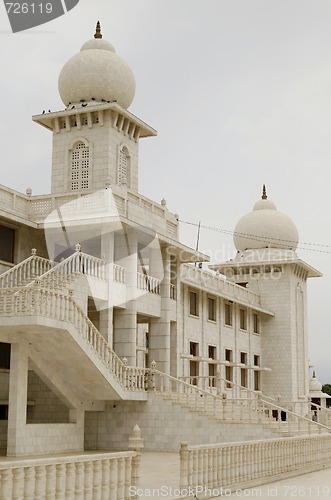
(38,301)
(254,410)
(27,270)
(77,263)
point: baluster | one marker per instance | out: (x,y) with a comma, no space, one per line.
(127,477)
(184,466)
(105,481)
(113,473)
(210,462)
(17,484)
(60,482)
(120,478)
(202,466)
(97,480)
(50,482)
(247,457)
(29,480)
(40,482)
(6,484)
(79,480)
(227,461)
(236,464)
(195,475)
(70,480)
(88,478)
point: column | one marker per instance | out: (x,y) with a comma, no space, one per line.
(106,314)
(18,386)
(159,330)
(125,320)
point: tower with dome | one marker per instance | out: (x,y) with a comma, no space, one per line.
(267,263)
(105,313)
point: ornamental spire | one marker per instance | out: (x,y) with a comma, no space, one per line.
(98,31)
(264,193)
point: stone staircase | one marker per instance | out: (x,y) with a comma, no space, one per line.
(35,300)
(34,297)
(274,418)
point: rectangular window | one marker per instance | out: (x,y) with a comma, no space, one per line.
(257,376)
(243,377)
(243,371)
(194,365)
(257,381)
(256,326)
(3,412)
(7,244)
(229,369)
(211,309)
(5,355)
(243,319)
(228,355)
(212,366)
(229,376)
(194,348)
(194,304)
(228,310)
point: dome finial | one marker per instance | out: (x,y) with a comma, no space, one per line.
(264,193)
(98,31)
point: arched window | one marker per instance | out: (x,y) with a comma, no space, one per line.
(80,167)
(123,174)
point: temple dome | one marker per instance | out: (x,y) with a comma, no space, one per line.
(97,73)
(265,227)
(314,384)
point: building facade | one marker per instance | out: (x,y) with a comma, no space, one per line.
(101,304)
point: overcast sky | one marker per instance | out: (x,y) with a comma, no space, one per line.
(240,93)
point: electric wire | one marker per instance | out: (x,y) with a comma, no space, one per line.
(301,246)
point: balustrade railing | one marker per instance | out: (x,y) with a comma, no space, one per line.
(51,304)
(104,475)
(317,412)
(118,274)
(241,464)
(38,207)
(215,283)
(78,263)
(320,413)
(222,386)
(148,283)
(257,409)
(27,270)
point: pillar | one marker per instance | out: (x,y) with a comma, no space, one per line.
(159,330)
(18,388)
(106,314)
(125,320)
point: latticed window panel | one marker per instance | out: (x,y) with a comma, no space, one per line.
(80,167)
(123,167)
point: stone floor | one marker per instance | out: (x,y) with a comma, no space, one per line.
(160,472)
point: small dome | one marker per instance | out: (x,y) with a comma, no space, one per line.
(314,384)
(97,73)
(265,227)
(97,43)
